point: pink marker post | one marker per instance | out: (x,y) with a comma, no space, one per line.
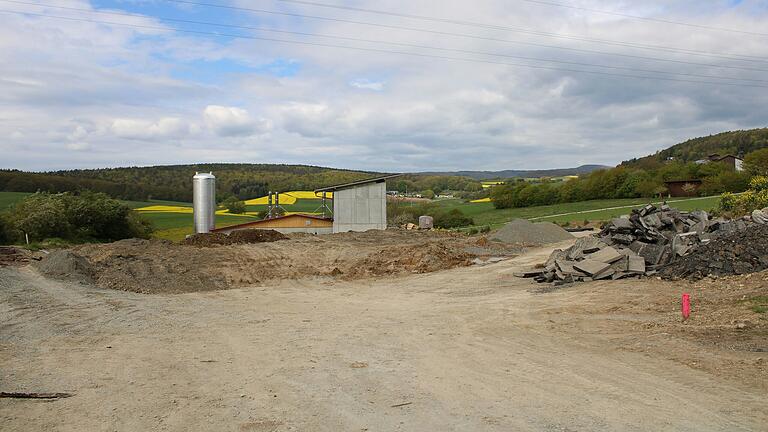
(686,306)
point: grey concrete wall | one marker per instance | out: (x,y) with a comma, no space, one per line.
(360,208)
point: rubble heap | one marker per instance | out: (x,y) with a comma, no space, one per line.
(736,252)
(650,238)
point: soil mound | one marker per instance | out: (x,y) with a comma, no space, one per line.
(732,253)
(410,259)
(66,265)
(522,231)
(11,256)
(236,237)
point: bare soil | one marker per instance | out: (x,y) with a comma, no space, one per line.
(158,266)
(468,348)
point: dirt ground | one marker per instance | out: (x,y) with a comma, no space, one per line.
(158,266)
(469,348)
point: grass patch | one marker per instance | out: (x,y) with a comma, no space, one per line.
(758,304)
(7,199)
(487,214)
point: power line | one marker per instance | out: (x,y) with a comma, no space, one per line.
(377,50)
(408,45)
(658,59)
(658,20)
(726,56)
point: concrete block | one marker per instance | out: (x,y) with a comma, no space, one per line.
(636,264)
(591,267)
(606,255)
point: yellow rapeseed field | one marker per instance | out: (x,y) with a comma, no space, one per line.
(481,200)
(165,209)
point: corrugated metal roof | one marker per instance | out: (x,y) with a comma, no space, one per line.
(357,183)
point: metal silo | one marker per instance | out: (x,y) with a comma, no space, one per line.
(204,202)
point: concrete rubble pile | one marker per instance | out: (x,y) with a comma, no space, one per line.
(650,238)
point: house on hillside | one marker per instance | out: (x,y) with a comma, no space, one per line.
(733,162)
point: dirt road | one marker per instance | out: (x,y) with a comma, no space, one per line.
(468,349)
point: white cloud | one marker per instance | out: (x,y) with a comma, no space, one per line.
(78,146)
(76,86)
(165,128)
(367,84)
(232,121)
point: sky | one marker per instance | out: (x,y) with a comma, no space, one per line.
(422,86)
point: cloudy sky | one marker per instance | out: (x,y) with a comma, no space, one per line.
(427,85)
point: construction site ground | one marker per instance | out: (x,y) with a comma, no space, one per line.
(467,348)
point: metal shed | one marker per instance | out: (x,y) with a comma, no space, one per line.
(360,205)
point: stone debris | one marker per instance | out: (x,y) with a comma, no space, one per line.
(642,243)
(426,222)
(733,253)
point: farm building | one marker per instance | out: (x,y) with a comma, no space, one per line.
(360,205)
(293,223)
(683,188)
(733,162)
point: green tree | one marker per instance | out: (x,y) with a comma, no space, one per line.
(451,219)
(234,205)
(756,163)
(428,194)
(88,216)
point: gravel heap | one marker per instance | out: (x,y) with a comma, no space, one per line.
(522,231)
(66,265)
(736,252)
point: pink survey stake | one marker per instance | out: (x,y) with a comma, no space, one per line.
(686,305)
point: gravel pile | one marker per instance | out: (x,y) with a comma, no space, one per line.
(522,231)
(732,253)
(66,265)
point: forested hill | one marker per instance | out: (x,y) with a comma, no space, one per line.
(737,143)
(244,181)
(505,174)
(174,182)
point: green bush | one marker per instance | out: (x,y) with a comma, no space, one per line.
(5,237)
(234,205)
(83,217)
(756,163)
(754,199)
(485,229)
(452,219)
(472,231)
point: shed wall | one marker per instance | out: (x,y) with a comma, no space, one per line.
(360,208)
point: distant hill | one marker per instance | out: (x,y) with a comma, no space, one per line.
(737,143)
(174,182)
(487,175)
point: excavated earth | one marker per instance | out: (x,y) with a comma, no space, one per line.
(208,263)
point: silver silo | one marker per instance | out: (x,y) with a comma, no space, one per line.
(204,202)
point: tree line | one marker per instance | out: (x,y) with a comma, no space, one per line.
(627,182)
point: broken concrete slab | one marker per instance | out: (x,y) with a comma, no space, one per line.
(636,264)
(606,255)
(591,267)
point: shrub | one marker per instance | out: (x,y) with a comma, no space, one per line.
(472,231)
(756,163)
(234,205)
(88,216)
(485,229)
(755,198)
(452,219)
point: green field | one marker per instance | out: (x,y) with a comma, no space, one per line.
(174,226)
(7,199)
(486,214)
